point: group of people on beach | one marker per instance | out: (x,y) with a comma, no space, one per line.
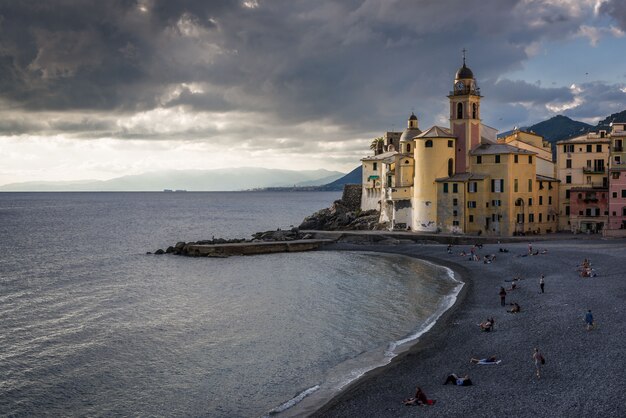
(586,270)
(488,325)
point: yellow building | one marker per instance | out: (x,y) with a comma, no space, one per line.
(462,179)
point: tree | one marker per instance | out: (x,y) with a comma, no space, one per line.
(377,145)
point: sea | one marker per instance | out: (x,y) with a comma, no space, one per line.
(92,325)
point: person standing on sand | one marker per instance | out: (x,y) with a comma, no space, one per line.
(589,320)
(541,283)
(539,360)
(502,296)
(530,248)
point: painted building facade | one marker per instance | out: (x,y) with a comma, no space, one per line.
(582,167)
(461,179)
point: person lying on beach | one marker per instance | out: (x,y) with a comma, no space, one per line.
(514,279)
(487,325)
(588,272)
(419,399)
(504,250)
(459,381)
(488,360)
(515,309)
(513,286)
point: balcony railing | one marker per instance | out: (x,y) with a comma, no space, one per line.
(618,149)
(594,170)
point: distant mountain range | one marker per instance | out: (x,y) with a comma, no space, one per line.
(561,127)
(230,179)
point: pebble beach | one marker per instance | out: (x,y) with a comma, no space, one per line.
(584,371)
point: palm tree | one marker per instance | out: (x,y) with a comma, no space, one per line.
(377,145)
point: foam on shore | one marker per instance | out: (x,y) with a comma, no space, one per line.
(353,369)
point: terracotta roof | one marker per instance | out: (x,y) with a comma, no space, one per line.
(463,177)
(379,156)
(436,132)
(491,148)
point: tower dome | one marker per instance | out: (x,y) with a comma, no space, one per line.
(464,72)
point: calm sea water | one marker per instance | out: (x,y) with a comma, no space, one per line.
(92,326)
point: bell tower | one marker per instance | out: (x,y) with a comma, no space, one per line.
(465,115)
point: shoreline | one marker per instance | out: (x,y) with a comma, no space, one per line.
(310,400)
(509,388)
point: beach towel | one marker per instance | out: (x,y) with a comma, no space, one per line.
(489,362)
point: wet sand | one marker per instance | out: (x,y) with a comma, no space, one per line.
(583,375)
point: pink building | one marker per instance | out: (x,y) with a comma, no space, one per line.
(589,208)
(617,180)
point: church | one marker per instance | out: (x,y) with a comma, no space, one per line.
(462,178)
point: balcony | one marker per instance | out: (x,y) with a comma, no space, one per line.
(618,149)
(594,170)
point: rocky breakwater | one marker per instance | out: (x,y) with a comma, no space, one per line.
(340,217)
(261,243)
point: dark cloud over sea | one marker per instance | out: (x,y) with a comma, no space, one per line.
(113,68)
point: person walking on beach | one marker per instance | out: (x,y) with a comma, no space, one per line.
(541,283)
(502,296)
(539,361)
(530,248)
(589,320)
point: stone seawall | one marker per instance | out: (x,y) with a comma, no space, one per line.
(254,248)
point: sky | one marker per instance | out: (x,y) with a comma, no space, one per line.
(93,89)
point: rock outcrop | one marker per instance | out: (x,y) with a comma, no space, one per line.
(340,217)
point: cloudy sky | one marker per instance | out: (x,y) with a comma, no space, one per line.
(93,89)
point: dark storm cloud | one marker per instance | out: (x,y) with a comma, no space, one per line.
(357,64)
(617,10)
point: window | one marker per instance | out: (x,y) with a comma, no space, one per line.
(618,160)
(530,201)
(455,187)
(530,159)
(445,187)
(459,111)
(472,187)
(540,217)
(520,218)
(568,179)
(530,185)
(455,223)
(455,202)
(471,204)
(450,167)
(599,148)
(567,192)
(541,185)
(623,211)
(474,111)
(408,147)
(615,174)
(566,210)
(540,200)
(549,200)
(375,166)
(455,213)
(497,185)
(614,194)
(471,218)
(515,158)
(568,163)
(428,144)
(497,159)
(450,143)
(479,159)
(589,147)
(515,186)
(623,193)
(531,217)
(496,203)
(568,148)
